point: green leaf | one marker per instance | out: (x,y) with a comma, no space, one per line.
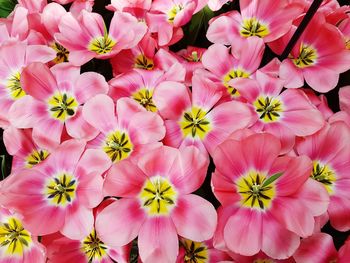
(3,168)
(6,7)
(271,179)
(199,21)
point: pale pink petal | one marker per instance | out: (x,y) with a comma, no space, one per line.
(217,59)
(93,161)
(317,248)
(189,171)
(251,54)
(126,109)
(277,242)
(88,85)
(291,74)
(90,189)
(158,241)
(172,98)
(224,189)
(66,75)
(78,128)
(124,179)
(99,112)
(79,222)
(27,112)
(224,30)
(38,81)
(194,218)
(47,133)
(243,232)
(119,232)
(205,93)
(38,53)
(92,23)
(344,98)
(173,136)
(146,127)
(51,16)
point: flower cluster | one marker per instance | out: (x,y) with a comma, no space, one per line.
(103,165)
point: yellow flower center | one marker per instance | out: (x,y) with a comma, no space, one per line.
(194,123)
(117,146)
(307,56)
(14,237)
(14,86)
(325,175)
(36,157)
(347,43)
(195,252)
(158,196)
(253,27)
(173,12)
(268,108)
(232,74)
(60,190)
(143,62)
(102,45)
(61,53)
(252,191)
(62,106)
(144,97)
(93,247)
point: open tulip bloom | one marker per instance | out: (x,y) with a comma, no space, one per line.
(174,131)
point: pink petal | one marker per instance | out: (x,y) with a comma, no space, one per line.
(291,74)
(39,53)
(251,53)
(47,133)
(277,242)
(172,98)
(173,136)
(296,171)
(99,113)
(124,179)
(344,98)
(320,78)
(93,161)
(38,81)
(224,29)
(51,16)
(78,128)
(146,127)
(338,210)
(317,248)
(119,233)
(243,232)
(224,189)
(158,241)
(217,60)
(291,214)
(79,222)
(194,218)
(90,189)
(189,171)
(126,109)
(88,85)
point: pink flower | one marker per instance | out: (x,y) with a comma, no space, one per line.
(329,150)
(60,193)
(265,198)
(241,63)
(14,56)
(89,249)
(266,19)
(192,251)
(314,60)
(126,129)
(196,118)
(157,203)
(54,102)
(17,244)
(26,153)
(86,36)
(284,114)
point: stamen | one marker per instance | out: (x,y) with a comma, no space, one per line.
(307,57)
(118,146)
(36,157)
(60,190)
(62,53)
(145,98)
(253,192)
(93,247)
(158,196)
(14,237)
(195,252)
(253,27)
(232,74)
(144,62)
(325,175)
(62,106)
(268,108)
(173,12)
(194,123)
(102,45)
(14,86)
